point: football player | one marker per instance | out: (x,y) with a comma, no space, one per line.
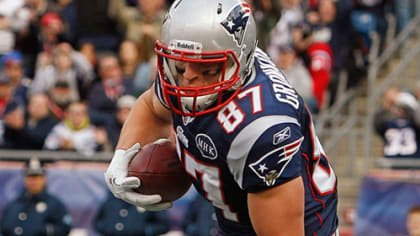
(242,132)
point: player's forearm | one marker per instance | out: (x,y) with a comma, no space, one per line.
(278,211)
(145,124)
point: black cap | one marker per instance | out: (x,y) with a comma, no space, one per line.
(34,168)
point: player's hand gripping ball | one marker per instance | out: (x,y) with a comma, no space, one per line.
(160,171)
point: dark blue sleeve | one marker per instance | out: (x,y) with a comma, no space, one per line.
(274,159)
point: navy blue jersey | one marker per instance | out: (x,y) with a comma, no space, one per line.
(401,137)
(263,138)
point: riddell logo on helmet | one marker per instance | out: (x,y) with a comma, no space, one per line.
(185,45)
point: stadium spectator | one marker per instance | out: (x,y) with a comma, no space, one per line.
(66,9)
(38,28)
(89,51)
(128,55)
(124,104)
(28,129)
(334,27)
(103,95)
(41,7)
(94,25)
(8,9)
(69,66)
(334,23)
(311,39)
(369,16)
(326,41)
(13,119)
(5,93)
(297,74)
(75,132)
(413,221)
(116,217)
(267,14)
(52,28)
(145,75)
(200,218)
(282,34)
(13,69)
(60,97)
(141,25)
(395,123)
(5,99)
(40,38)
(35,211)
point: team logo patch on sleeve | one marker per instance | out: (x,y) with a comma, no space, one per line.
(236,21)
(270,166)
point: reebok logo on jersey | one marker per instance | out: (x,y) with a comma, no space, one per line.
(206,146)
(281,136)
(270,166)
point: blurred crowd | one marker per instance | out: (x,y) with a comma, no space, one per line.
(70,70)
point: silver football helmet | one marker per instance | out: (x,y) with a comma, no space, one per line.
(203,31)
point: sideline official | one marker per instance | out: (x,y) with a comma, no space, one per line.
(35,211)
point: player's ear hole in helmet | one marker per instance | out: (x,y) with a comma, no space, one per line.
(189,36)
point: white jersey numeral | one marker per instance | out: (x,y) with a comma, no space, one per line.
(210,178)
(255,98)
(400,142)
(231,116)
(323,178)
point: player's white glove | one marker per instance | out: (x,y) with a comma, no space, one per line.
(122,186)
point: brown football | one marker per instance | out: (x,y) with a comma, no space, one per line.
(160,171)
